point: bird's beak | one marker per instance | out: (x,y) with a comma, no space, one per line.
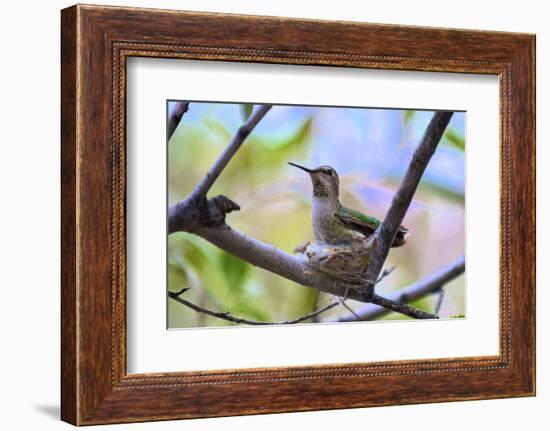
(303,168)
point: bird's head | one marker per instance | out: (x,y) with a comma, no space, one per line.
(324,179)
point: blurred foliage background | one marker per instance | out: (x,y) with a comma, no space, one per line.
(370,149)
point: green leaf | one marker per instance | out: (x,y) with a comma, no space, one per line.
(428,187)
(454,139)
(407,117)
(246,110)
(299,138)
(292,142)
(218,129)
(250,311)
(444,192)
(423,303)
(235,271)
(177,276)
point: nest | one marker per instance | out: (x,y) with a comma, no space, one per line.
(345,263)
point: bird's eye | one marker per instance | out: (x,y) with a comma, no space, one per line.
(328,172)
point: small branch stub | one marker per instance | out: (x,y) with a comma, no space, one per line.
(190,215)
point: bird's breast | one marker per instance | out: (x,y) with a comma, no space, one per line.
(325,226)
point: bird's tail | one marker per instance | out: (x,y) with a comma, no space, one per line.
(401,237)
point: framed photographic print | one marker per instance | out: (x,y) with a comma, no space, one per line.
(281,206)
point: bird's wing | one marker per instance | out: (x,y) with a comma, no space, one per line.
(356,220)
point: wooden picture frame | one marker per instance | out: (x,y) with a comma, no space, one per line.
(95,42)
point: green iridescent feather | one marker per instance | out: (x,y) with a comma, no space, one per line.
(356,220)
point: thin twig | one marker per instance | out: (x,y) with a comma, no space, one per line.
(347,307)
(417,290)
(178,110)
(343,302)
(219,165)
(439,301)
(385,273)
(238,320)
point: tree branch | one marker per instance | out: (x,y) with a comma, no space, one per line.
(401,307)
(272,259)
(176,296)
(386,232)
(417,290)
(179,109)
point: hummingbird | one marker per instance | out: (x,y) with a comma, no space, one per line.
(333,223)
